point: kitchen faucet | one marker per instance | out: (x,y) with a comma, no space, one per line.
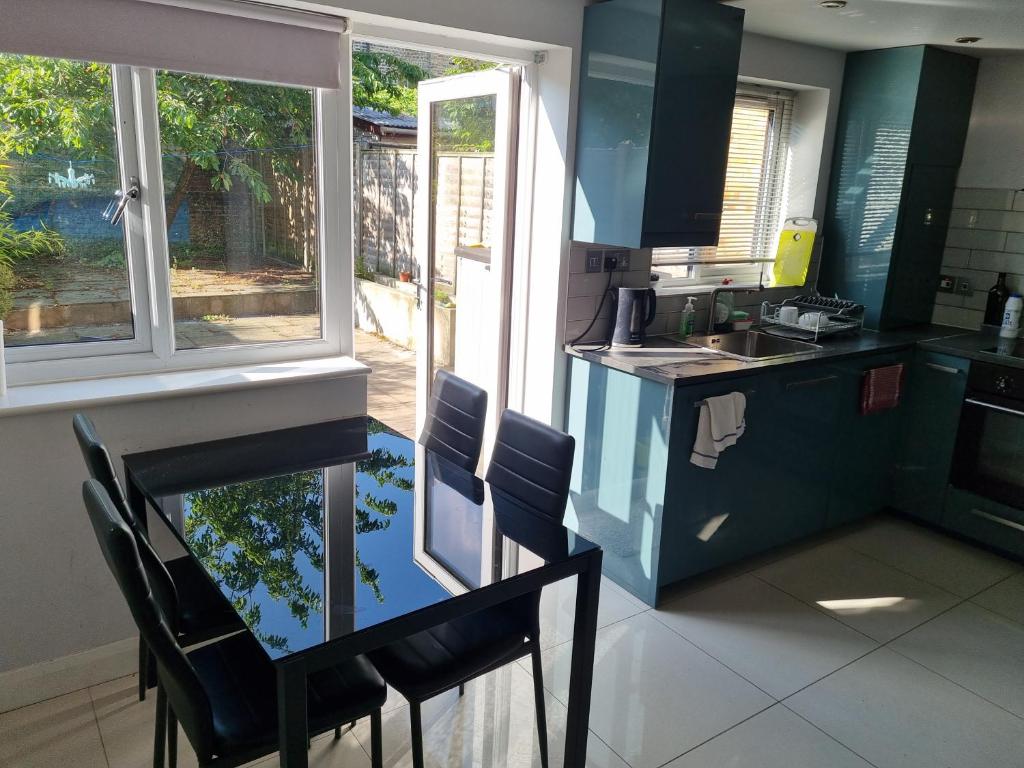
(727,289)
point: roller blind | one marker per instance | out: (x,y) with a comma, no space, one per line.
(755,188)
(242,40)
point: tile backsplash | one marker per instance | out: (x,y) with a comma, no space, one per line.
(585,292)
(986,237)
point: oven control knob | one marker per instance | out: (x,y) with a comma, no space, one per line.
(1004,384)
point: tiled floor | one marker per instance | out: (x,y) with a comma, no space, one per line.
(391,389)
(886,646)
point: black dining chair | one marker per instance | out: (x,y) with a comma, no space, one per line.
(203,611)
(454,426)
(534,463)
(224,694)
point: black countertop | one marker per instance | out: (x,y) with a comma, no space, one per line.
(984,347)
(669,361)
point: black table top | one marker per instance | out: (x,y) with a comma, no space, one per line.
(320,531)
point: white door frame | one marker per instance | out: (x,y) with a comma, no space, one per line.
(502,83)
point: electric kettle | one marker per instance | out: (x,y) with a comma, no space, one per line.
(632,312)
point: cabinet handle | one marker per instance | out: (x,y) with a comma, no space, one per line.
(943,368)
(993,406)
(810,382)
(997,519)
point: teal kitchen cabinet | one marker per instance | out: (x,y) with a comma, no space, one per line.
(899,142)
(657,88)
(861,478)
(931,414)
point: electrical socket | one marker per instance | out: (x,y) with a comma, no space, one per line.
(616,261)
(595,261)
(963,286)
(946,283)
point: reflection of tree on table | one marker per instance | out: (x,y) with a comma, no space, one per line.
(251,533)
(382,466)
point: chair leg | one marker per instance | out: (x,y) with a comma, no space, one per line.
(538,694)
(376,740)
(160,731)
(172,738)
(337,733)
(417,734)
(143,668)
(462,689)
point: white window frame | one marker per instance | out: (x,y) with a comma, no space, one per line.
(153,348)
(708,273)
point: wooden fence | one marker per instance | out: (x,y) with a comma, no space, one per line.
(385,184)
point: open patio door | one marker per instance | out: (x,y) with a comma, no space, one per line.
(464,214)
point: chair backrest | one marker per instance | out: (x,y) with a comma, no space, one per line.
(154,618)
(532,463)
(101,469)
(456,415)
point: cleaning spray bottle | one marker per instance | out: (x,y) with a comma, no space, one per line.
(687,320)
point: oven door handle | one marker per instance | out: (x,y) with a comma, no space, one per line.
(993,406)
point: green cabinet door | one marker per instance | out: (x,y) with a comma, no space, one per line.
(931,414)
(861,477)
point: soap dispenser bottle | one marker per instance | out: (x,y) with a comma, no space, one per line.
(688,319)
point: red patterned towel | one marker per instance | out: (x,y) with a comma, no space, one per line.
(880,389)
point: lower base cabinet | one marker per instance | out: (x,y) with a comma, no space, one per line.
(807,461)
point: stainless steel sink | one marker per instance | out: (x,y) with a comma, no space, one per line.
(753,345)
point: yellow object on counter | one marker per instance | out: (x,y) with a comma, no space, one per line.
(792,260)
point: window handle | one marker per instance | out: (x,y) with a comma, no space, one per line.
(115,211)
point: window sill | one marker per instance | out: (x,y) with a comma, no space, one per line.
(32,398)
(700,290)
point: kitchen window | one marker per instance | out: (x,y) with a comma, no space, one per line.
(162,219)
(755,194)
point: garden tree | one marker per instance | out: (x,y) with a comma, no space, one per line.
(210,128)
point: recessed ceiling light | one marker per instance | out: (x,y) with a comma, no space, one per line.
(967,40)
(833,4)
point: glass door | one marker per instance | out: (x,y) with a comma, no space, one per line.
(466,140)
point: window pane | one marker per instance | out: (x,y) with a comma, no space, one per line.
(240,193)
(63,268)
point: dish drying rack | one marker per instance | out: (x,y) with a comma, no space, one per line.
(835,316)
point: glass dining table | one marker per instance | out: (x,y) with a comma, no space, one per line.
(335,538)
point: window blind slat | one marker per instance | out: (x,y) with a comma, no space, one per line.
(287,48)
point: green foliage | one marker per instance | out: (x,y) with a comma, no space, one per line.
(385,82)
(362,269)
(15,245)
(6,286)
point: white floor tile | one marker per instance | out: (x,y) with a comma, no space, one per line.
(953,565)
(655,695)
(558,609)
(127,725)
(772,639)
(980,650)
(1005,598)
(860,591)
(57,732)
(325,752)
(776,738)
(897,714)
(493,724)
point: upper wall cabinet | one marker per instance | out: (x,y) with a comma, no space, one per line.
(657,86)
(902,126)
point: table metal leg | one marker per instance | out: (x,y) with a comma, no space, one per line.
(581,673)
(293,731)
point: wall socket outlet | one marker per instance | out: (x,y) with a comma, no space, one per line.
(595,261)
(946,283)
(963,286)
(621,260)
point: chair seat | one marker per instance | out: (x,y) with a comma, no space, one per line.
(203,611)
(241,685)
(434,661)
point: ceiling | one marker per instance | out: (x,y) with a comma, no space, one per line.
(867,24)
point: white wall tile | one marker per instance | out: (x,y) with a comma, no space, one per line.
(955,257)
(997,261)
(1018,200)
(989,199)
(976,239)
(958,317)
(1015,242)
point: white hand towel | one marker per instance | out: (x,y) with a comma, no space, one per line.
(720,425)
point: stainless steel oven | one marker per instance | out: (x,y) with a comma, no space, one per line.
(988,461)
